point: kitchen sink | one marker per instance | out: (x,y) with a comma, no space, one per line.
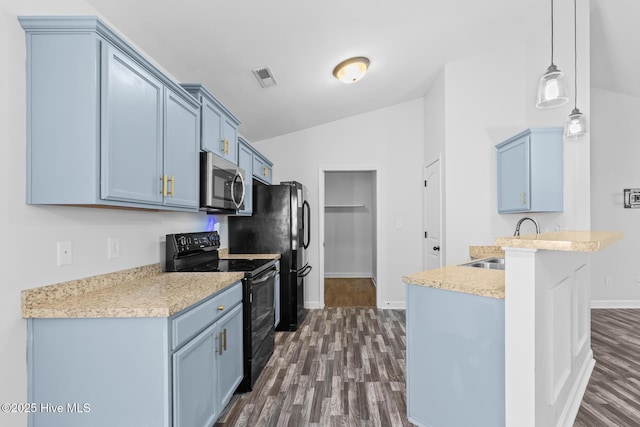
(490,263)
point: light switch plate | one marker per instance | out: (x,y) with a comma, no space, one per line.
(113,247)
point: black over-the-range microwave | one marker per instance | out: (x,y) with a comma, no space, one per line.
(221,184)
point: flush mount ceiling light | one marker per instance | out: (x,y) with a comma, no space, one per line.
(552,89)
(576,124)
(351,70)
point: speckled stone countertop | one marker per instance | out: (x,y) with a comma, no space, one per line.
(224,254)
(575,241)
(137,292)
(476,252)
(468,280)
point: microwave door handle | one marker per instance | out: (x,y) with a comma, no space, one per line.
(235,179)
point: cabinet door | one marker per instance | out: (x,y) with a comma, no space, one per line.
(194,381)
(245,162)
(261,169)
(230,135)
(131,131)
(182,136)
(514,193)
(230,362)
(211,131)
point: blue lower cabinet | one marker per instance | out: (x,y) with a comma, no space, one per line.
(229,356)
(157,372)
(455,359)
(194,381)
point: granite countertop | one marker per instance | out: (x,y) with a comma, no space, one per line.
(468,280)
(476,252)
(137,292)
(224,254)
(575,241)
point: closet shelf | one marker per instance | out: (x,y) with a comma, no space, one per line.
(345,206)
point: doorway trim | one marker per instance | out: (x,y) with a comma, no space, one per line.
(441,226)
(321,202)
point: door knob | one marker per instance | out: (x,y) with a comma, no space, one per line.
(436,248)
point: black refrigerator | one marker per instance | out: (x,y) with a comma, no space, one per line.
(279,224)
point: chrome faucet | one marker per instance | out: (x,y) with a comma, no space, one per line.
(517,232)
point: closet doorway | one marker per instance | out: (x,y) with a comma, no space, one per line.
(350,242)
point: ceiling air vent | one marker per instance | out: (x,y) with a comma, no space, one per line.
(265,77)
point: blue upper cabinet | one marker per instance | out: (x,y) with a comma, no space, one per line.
(131,140)
(104,125)
(245,162)
(219,126)
(262,168)
(182,151)
(530,172)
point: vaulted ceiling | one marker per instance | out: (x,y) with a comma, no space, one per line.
(219,43)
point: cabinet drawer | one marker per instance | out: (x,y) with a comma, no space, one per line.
(188,324)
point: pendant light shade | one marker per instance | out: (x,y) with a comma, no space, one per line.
(576,125)
(552,88)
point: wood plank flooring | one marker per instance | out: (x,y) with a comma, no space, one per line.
(349,292)
(342,367)
(613,394)
(345,366)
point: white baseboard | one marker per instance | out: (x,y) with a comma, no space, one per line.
(615,303)
(375,282)
(394,305)
(347,275)
(572,407)
(313,305)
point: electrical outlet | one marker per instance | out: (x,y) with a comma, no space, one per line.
(113,247)
(608,282)
(64,253)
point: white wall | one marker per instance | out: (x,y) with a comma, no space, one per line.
(488,98)
(614,167)
(348,230)
(29,233)
(390,141)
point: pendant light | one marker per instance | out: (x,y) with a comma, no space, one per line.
(552,89)
(576,125)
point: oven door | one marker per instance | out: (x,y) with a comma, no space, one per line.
(261,298)
(221,183)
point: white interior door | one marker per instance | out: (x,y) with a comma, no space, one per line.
(432,217)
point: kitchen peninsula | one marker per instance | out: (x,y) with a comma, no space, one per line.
(511,348)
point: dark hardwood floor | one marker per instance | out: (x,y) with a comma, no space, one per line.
(345,366)
(613,394)
(349,292)
(342,367)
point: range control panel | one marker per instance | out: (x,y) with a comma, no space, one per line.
(194,242)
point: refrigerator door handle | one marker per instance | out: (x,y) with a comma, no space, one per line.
(304,272)
(307,225)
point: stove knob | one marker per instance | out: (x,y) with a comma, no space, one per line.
(182,241)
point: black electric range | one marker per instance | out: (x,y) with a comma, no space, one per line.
(198,252)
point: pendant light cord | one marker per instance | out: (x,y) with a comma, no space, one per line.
(551,32)
(575,54)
